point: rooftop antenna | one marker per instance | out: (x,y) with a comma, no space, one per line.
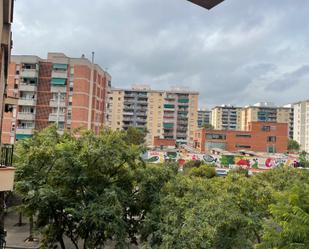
(92,58)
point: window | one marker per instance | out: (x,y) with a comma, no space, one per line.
(271,139)
(265,128)
(216,136)
(240,146)
(17,72)
(60,125)
(243,135)
(271,149)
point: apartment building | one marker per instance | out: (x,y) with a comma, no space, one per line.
(267,112)
(6,19)
(226,117)
(164,114)
(270,137)
(301,124)
(204,117)
(71,92)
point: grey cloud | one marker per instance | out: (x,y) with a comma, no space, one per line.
(290,80)
(235,53)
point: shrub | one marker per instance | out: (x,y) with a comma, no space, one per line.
(203,171)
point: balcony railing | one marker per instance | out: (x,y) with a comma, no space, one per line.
(54,117)
(27,101)
(26,116)
(27,87)
(6,155)
(29,73)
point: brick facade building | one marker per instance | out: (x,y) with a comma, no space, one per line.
(260,137)
(162,142)
(71,92)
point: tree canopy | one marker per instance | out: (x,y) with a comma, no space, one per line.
(293,145)
(88,188)
(94,188)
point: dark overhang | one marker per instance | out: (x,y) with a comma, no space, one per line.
(208,4)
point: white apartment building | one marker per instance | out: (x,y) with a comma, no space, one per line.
(301,124)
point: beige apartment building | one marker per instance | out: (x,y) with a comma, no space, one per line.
(168,114)
(70,92)
(226,117)
(267,112)
(301,124)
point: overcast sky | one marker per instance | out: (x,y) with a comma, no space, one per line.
(240,52)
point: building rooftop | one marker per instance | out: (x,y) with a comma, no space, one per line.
(147,88)
(56,57)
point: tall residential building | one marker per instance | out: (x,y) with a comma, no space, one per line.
(71,92)
(165,114)
(301,124)
(267,112)
(226,117)
(204,117)
(6,11)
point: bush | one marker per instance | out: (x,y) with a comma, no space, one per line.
(241,171)
(203,171)
(193,164)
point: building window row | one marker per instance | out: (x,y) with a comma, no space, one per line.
(216,136)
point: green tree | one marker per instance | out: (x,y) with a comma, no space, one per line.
(208,126)
(218,213)
(288,227)
(135,136)
(303,159)
(203,171)
(293,145)
(78,188)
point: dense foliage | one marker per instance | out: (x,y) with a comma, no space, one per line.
(293,145)
(91,189)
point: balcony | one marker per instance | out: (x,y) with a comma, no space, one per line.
(6,157)
(27,87)
(24,130)
(6,171)
(57,103)
(129,101)
(142,102)
(168,120)
(141,114)
(129,95)
(141,120)
(60,74)
(54,117)
(27,102)
(26,116)
(58,89)
(128,114)
(128,119)
(29,73)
